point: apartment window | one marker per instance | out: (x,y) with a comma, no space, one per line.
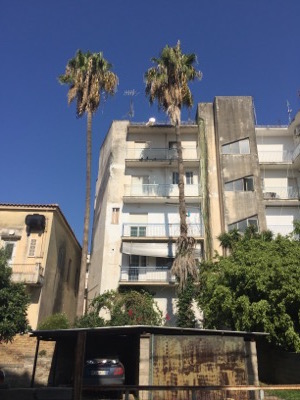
(238,147)
(9,249)
(175,178)
(163,263)
(32,247)
(189,178)
(137,231)
(240,185)
(137,261)
(244,224)
(115,215)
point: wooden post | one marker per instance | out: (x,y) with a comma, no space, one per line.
(79,363)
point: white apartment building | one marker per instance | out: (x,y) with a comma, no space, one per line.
(236,174)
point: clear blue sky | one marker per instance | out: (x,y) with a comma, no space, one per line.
(244,47)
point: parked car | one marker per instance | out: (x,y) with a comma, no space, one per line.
(104,371)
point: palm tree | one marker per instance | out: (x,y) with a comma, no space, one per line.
(167,82)
(89,77)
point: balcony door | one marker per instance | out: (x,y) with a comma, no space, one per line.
(136,265)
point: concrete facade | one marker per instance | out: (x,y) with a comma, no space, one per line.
(44,254)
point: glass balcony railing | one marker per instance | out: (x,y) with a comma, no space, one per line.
(160,190)
(153,154)
(31,274)
(160,230)
(289,192)
(146,274)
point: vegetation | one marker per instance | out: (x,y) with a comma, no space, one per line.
(255,288)
(89,77)
(126,308)
(168,83)
(13,303)
(185,314)
(54,321)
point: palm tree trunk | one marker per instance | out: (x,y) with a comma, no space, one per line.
(182,206)
(85,241)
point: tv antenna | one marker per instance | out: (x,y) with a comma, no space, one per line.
(131,93)
(289,111)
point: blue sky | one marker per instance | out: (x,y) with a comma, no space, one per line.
(244,47)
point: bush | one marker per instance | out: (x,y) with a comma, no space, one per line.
(55,321)
(90,320)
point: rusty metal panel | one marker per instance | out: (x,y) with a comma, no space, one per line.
(199,360)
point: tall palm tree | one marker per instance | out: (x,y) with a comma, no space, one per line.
(89,77)
(167,82)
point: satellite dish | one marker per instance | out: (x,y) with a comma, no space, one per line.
(151,121)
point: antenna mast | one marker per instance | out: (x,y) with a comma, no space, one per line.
(289,111)
(131,93)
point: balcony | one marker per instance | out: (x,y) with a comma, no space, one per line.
(134,230)
(146,275)
(281,193)
(29,274)
(160,156)
(159,192)
(283,156)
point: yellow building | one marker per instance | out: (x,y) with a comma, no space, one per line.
(44,254)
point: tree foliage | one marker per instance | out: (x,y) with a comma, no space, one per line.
(13,303)
(126,308)
(54,321)
(185,314)
(255,288)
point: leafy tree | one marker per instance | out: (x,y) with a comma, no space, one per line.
(126,308)
(167,82)
(185,314)
(13,303)
(89,320)
(54,321)
(255,288)
(89,77)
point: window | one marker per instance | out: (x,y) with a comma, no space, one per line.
(9,250)
(115,215)
(238,147)
(240,185)
(138,231)
(175,178)
(189,178)
(163,263)
(244,224)
(32,247)
(137,261)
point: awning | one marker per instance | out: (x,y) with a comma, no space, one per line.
(166,250)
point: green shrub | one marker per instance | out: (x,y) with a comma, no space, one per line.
(55,321)
(89,320)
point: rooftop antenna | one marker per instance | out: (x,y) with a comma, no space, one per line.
(131,93)
(289,111)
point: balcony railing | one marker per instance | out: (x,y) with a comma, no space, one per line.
(290,192)
(160,190)
(296,152)
(160,230)
(157,154)
(275,156)
(31,274)
(281,229)
(146,274)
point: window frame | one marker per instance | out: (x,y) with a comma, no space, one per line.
(229,148)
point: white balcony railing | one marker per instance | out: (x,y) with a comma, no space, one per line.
(160,190)
(275,156)
(160,230)
(288,192)
(153,154)
(281,229)
(31,274)
(146,274)
(296,152)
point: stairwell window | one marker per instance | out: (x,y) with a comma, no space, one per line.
(244,224)
(238,147)
(175,178)
(189,178)
(115,215)
(240,185)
